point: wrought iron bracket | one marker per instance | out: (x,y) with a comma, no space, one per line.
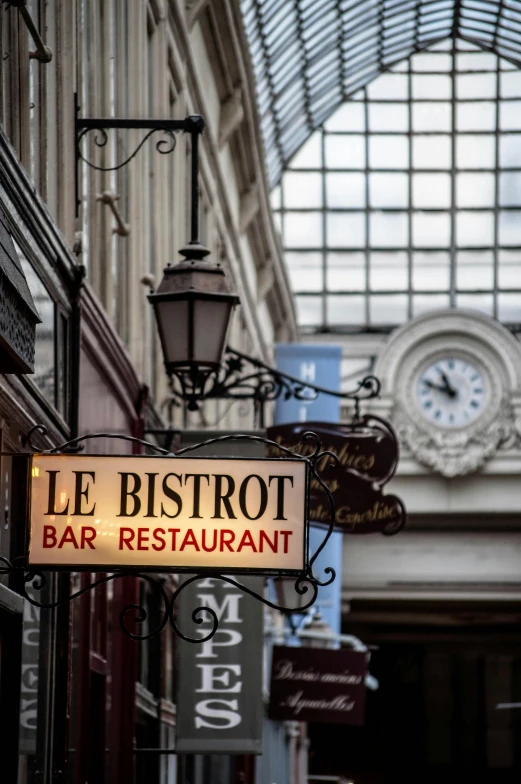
(193,125)
(131,616)
(241,377)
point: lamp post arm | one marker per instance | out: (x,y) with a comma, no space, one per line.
(241,377)
(369,387)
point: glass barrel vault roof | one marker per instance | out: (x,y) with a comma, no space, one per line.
(309,56)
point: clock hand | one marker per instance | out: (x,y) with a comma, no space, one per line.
(448,388)
(432,385)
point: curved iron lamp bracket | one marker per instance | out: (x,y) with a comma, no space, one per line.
(241,377)
(96,129)
(132,615)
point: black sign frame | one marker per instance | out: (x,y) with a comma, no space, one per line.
(306,582)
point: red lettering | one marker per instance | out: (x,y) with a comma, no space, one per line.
(285,535)
(264,538)
(226,541)
(174,531)
(125,537)
(190,539)
(203,542)
(247,541)
(156,534)
(68,538)
(49,536)
(88,534)
(142,539)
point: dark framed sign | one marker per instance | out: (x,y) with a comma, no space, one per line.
(367,452)
(317,684)
(219,692)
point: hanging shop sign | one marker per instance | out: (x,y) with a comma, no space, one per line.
(367,452)
(193,513)
(317,684)
(219,692)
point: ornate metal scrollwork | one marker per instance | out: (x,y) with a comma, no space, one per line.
(163,146)
(241,376)
(133,615)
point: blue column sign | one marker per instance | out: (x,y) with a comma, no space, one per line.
(319,365)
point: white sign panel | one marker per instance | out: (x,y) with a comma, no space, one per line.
(167,513)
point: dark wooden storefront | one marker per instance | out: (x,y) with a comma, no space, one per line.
(443,670)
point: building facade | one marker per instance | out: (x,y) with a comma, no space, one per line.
(90,224)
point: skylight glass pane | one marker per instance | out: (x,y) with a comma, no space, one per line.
(388,271)
(431,230)
(431,191)
(388,229)
(346,152)
(510,115)
(345,230)
(346,271)
(349,117)
(388,117)
(431,152)
(388,152)
(303,230)
(475,190)
(345,190)
(430,270)
(310,155)
(305,271)
(348,310)
(509,269)
(388,308)
(510,189)
(309,311)
(475,152)
(302,190)
(428,86)
(431,117)
(389,87)
(479,116)
(474,270)
(388,190)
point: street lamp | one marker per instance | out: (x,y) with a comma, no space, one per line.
(193,306)
(194,302)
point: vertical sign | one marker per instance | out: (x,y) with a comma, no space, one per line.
(30,667)
(219,694)
(319,365)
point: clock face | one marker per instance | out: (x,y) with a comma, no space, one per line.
(451,392)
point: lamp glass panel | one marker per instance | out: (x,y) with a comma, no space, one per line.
(211,322)
(172,320)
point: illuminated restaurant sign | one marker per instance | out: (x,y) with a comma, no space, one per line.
(168,512)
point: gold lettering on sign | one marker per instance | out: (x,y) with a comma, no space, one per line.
(347,455)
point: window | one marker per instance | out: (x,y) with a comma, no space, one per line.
(409,197)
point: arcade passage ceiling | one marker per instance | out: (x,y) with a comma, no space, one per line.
(393,142)
(309,56)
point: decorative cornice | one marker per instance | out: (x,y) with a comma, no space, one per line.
(455,453)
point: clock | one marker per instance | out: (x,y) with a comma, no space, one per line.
(453,379)
(452,391)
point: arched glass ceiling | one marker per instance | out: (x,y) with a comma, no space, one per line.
(309,56)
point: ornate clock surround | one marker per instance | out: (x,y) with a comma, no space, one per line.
(483,342)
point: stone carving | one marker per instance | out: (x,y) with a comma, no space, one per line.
(455,453)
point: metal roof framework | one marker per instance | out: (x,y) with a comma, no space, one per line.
(309,56)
